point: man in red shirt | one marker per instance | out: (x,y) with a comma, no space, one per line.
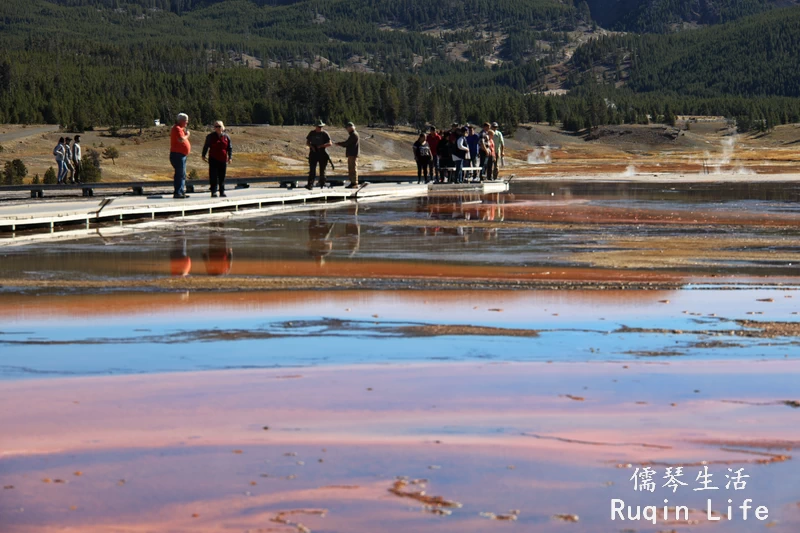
(219,149)
(179,149)
(433,139)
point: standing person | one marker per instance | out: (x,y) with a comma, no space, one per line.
(443,149)
(60,154)
(472,140)
(500,150)
(422,155)
(318,142)
(179,149)
(490,155)
(352,149)
(68,161)
(482,144)
(77,158)
(219,148)
(460,154)
(452,138)
(433,139)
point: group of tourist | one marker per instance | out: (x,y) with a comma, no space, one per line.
(68,160)
(442,156)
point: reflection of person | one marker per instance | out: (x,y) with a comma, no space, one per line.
(179,149)
(351,149)
(318,142)
(180,264)
(219,257)
(219,149)
(352,233)
(319,237)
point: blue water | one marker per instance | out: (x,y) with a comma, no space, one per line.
(575,327)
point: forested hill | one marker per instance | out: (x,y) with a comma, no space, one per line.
(661,16)
(82,63)
(753,57)
(408,14)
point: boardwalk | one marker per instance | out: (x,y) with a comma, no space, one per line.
(87,211)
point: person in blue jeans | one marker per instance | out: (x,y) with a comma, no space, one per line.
(179,150)
(60,153)
(178,162)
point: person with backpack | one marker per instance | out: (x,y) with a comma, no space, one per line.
(68,160)
(352,149)
(77,158)
(219,149)
(500,149)
(423,156)
(60,154)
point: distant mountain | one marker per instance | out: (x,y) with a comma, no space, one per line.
(660,16)
(91,62)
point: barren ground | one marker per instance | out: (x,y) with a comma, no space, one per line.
(703,151)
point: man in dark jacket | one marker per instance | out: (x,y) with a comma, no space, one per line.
(318,142)
(219,149)
(352,148)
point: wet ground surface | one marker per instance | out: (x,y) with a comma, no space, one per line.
(308,371)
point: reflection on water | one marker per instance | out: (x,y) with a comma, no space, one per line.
(664,192)
(219,256)
(528,404)
(180,264)
(201,331)
(235,451)
(675,229)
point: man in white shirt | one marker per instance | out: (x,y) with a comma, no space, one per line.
(77,158)
(460,154)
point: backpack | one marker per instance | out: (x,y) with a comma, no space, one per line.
(424,150)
